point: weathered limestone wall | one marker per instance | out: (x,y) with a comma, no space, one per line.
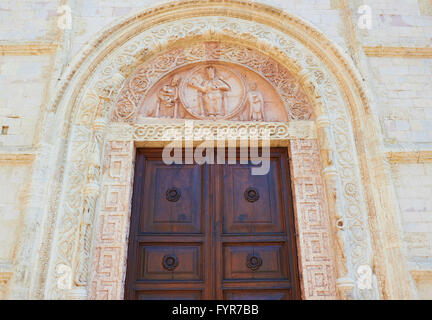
(14,181)
(34,52)
(405,101)
(413,183)
(23,81)
(401,75)
(398,23)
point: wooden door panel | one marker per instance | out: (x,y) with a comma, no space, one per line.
(170,262)
(211,231)
(168,250)
(251,202)
(258,295)
(255,261)
(255,250)
(168,295)
(173,198)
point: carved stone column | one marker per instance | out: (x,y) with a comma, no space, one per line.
(91,195)
(344,283)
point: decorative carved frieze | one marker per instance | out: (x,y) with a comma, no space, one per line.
(314,231)
(232,130)
(111,226)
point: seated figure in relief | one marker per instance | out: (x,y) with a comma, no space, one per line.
(213,93)
(256,103)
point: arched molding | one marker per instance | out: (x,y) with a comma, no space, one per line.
(84,101)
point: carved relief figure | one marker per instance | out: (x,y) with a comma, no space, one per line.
(256,103)
(213,90)
(168,98)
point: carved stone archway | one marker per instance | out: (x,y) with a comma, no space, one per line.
(89,142)
(286,120)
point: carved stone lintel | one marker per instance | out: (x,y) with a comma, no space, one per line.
(232,130)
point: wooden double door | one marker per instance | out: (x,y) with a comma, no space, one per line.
(211,231)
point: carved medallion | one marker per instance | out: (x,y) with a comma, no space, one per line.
(213,91)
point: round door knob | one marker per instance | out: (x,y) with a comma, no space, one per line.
(173,194)
(251,194)
(170,262)
(253,262)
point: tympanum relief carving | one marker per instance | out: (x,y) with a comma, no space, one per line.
(212,81)
(213,91)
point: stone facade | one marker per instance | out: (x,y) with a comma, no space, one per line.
(362,136)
